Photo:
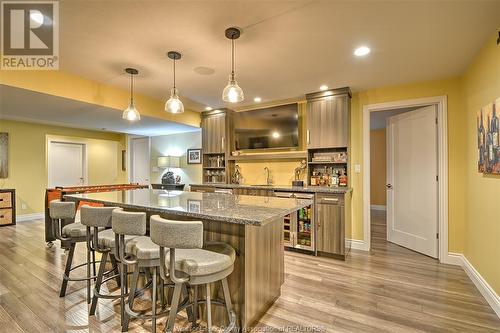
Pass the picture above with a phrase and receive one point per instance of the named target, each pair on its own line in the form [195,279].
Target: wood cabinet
[213,128]
[202,189]
[328,119]
[330,224]
[7,207]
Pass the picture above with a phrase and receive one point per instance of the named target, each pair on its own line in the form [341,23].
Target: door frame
[74,142]
[442,141]
[130,155]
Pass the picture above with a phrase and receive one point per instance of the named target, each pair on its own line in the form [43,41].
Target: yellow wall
[61,84]
[482,193]
[377,167]
[28,152]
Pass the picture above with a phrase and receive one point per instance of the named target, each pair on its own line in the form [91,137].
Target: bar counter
[252,225]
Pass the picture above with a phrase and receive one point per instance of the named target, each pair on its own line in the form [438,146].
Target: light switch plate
[357,168]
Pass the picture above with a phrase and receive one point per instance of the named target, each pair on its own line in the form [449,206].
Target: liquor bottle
[489,147]
[495,128]
[482,140]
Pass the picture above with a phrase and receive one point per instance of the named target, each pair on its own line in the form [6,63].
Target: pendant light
[232,93]
[174,104]
[131,113]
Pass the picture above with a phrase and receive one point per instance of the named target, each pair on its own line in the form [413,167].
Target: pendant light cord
[232,59]
[174,72]
[131,88]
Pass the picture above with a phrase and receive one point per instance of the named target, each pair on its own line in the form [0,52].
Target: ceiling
[287,48]
[25,105]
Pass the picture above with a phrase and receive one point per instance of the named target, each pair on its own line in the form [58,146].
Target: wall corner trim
[481,284]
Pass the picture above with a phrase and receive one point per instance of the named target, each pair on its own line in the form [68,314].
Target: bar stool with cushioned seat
[96,219]
[141,253]
[189,263]
[72,233]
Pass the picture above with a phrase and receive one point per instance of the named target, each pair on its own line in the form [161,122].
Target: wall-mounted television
[267,128]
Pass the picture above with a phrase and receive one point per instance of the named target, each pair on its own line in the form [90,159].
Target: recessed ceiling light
[208,108]
[276,135]
[257,99]
[362,51]
[323,87]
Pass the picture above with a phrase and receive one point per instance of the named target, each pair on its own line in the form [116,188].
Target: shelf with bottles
[214,176]
[327,167]
[217,161]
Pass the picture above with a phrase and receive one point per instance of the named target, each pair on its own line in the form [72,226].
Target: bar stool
[72,233]
[189,263]
[141,253]
[96,219]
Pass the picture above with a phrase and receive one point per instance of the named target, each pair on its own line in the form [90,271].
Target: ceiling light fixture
[276,135]
[131,113]
[232,93]
[362,51]
[257,99]
[208,108]
[323,87]
[174,104]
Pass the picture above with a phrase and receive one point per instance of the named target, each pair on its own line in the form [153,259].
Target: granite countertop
[284,188]
[239,209]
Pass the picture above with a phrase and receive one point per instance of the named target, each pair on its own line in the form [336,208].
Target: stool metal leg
[93,265]
[153,295]
[88,276]
[209,309]
[67,270]
[189,310]
[231,316]
[173,308]
[123,283]
[98,282]
[116,271]
[195,302]
[131,296]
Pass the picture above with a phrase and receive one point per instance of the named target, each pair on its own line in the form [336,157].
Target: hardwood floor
[390,290]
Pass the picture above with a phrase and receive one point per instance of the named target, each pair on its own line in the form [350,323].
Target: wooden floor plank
[390,289]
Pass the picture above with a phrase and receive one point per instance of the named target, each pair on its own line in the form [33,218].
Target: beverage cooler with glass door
[299,227]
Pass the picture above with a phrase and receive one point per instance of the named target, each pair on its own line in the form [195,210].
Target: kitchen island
[252,225]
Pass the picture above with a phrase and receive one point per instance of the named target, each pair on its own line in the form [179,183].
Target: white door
[66,164]
[140,161]
[412,189]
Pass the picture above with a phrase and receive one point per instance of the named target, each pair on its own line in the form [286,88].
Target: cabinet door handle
[222,142]
[331,199]
[308,137]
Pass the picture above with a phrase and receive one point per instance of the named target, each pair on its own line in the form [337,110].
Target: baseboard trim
[453,259]
[378,207]
[27,217]
[357,244]
[481,284]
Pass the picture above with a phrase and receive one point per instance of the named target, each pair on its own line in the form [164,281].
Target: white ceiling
[25,105]
[287,48]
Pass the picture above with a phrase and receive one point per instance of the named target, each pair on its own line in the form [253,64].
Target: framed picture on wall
[4,155]
[194,156]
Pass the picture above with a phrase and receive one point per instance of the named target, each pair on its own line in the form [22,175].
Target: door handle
[222,142]
[308,137]
[389,186]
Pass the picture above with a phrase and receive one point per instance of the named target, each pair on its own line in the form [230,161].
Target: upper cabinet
[215,127]
[328,118]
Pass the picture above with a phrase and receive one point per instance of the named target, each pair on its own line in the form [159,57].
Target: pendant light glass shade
[131,113]
[232,93]
[174,104]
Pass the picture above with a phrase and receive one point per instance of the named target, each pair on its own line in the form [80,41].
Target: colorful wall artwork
[488,136]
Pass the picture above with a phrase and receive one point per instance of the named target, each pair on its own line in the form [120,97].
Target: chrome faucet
[268,176]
